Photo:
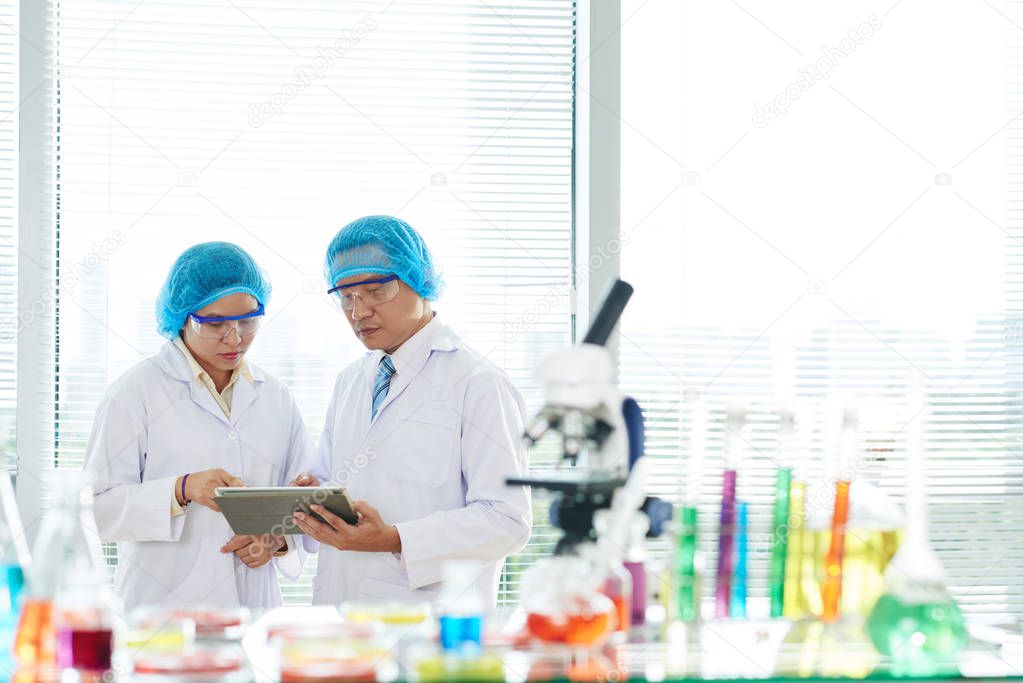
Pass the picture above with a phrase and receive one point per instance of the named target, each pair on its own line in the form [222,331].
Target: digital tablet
[269,510]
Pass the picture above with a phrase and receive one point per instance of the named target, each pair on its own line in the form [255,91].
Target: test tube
[782,500]
[780,540]
[831,590]
[793,595]
[726,531]
[685,577]
[726,524]
[685,559]
[738,603]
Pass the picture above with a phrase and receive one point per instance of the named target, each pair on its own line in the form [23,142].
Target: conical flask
[67,545]
[916,623]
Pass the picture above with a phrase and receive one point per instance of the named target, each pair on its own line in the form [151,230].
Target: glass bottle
[463,608]
[635,563]
[67,546]
[85,617]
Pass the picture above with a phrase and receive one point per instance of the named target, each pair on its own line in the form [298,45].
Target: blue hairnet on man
[422,432]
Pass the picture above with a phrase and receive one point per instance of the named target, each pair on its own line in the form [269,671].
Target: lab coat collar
[240,372]
[173,361]
[410,358]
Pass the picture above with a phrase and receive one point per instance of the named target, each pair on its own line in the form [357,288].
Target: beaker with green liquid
[916,623]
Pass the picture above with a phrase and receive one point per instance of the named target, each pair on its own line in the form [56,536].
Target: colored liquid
[616,588]
[15,582]
[457,632]
[685,565]
[866,555]
[85,649]
[726,531]
[779,540]
[8,627]
[211,622]
[813,649]
[921,639]
[198,663]
[484,667]
[622,612]
[573,629]
[793,602]
[638,573]
[738,604]
[34,641]
[831,591]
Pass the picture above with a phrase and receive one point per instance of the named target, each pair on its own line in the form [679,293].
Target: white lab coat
[158,422]
[433,462]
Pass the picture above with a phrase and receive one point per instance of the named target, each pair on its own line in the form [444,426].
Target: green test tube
[685,565]
[780,540]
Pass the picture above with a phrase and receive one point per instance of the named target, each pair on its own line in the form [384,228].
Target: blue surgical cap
[383,245]
[200,276]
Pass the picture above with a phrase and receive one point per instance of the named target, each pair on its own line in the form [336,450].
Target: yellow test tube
[794,605]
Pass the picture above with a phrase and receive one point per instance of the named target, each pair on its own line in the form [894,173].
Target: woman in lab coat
[194,417]
[422,432]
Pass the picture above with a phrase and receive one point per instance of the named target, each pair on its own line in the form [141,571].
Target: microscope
[601,432]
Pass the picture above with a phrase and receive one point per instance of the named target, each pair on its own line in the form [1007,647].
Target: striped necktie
[384,374]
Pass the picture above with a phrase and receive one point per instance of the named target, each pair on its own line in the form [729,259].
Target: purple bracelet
[183,480]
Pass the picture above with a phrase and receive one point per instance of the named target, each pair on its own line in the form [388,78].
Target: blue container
[458,634]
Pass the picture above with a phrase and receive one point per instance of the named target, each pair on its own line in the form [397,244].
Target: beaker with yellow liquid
[872,537]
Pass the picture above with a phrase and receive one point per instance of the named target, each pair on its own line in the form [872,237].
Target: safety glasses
[369,292]
[218,327]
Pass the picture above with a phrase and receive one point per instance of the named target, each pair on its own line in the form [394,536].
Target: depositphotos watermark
[72,274]
[813,73]
[314,70]
[556,294]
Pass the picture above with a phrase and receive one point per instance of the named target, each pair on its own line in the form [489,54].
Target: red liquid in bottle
[85,649]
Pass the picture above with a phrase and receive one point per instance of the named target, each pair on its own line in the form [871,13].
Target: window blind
[272,124]
[9,318]
[818,240]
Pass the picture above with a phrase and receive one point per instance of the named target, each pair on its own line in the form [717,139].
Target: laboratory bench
[322,644]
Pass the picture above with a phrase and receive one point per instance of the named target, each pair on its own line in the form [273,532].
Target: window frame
[595,201]
[36,173]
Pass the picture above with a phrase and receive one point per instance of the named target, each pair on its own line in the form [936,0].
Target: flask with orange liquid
[67,546]
[564,604]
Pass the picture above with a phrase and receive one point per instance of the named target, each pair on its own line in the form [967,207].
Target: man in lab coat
[422,432]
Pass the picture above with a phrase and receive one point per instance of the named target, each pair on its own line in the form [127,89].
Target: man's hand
[369,534]
[200,486]
[254,551]
[304,479]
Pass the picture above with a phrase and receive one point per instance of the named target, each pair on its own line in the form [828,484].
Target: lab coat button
[233,436]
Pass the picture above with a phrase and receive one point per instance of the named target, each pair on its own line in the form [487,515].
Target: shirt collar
[197,371]
[434,336]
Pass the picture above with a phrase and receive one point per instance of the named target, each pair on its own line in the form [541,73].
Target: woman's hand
[369,534]
[254,551]
[199,486]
